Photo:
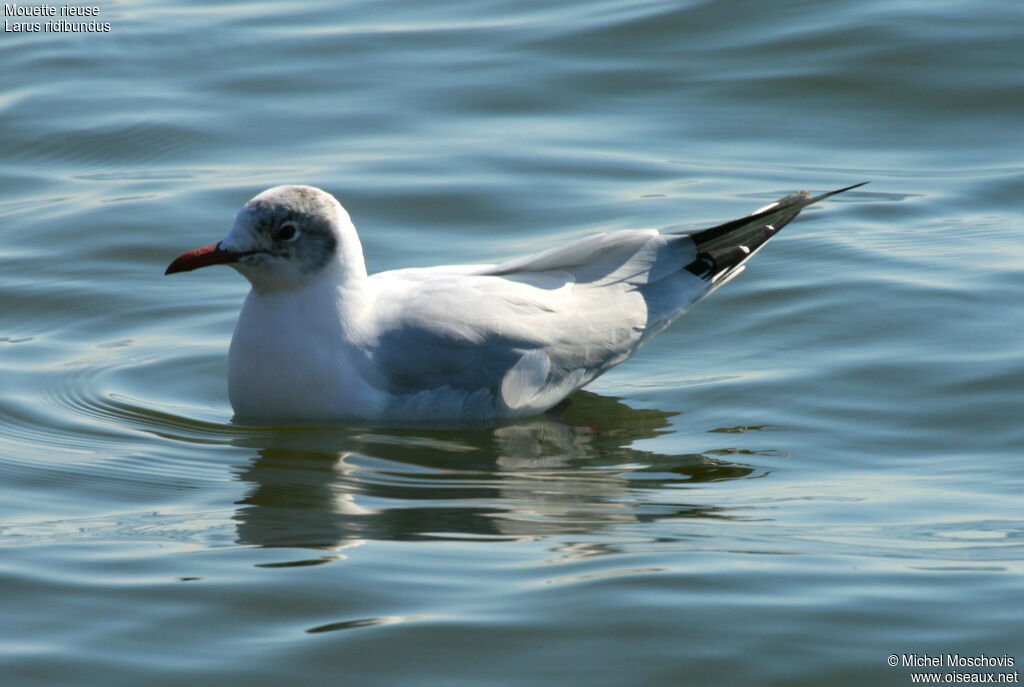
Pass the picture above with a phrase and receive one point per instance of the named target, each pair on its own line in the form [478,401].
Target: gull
[319,339]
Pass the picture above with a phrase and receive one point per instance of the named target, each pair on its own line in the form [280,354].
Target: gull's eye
[286,233]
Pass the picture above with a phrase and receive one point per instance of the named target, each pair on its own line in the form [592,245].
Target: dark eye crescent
[286,233]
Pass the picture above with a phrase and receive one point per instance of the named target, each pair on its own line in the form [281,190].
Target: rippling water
[818,467]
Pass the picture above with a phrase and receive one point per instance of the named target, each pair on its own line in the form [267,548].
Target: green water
[818,467]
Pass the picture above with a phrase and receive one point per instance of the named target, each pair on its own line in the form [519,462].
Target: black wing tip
[803,199]
[781,211]
[823,196]
[717,252]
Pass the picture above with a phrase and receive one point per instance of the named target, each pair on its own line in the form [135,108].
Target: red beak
[201,257]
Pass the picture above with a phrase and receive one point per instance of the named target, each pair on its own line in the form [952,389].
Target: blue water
[818,467]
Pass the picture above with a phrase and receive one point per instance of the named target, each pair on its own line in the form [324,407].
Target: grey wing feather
[582,305]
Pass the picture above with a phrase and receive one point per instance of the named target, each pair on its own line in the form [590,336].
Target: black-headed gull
[319,339]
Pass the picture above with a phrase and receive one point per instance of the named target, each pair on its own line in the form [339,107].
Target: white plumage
[319,339]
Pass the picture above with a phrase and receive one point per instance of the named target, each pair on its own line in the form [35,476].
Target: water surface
[816,468]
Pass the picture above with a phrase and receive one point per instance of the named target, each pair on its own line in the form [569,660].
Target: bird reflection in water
[573,471]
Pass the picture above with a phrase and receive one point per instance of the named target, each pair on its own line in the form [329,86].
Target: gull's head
[284,239]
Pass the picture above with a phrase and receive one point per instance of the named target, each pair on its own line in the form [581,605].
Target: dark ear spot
[316,250]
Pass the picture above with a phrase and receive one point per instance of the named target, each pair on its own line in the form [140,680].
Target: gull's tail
[722,250]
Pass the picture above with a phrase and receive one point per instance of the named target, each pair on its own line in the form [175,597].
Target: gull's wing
[517,337]
[509,344]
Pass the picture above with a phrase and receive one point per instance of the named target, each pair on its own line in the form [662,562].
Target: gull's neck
[349,259]
[337,298]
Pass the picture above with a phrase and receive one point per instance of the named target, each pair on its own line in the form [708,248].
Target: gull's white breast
[291,358]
